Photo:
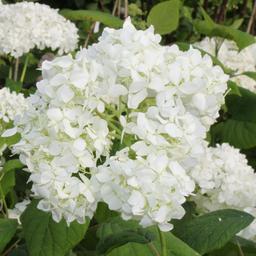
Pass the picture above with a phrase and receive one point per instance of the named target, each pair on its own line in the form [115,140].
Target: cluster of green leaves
[109,235]
[212,234]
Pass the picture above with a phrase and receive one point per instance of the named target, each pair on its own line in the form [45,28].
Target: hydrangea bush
[130,145]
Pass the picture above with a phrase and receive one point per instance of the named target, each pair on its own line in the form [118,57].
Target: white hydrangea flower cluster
[225,180]
[26,25]
[239,61]
[150,189]
[12,105]
[62,136]
[145,69]
[126,86]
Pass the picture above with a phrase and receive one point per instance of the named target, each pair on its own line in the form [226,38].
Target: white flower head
[224,179]
[26,25]
[126,85]
[239,61]
[12,104]
[149,189]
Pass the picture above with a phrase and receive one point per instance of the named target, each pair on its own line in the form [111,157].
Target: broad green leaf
[207,18]
[7,231]
[91,15]
[103,213]
[164,16]
[118,239]
[45,237]
[10,140]
[240,134]
[237,23]
[233,88]
[240,127]
[175,247]
[235,247]
[247,245]
[209,28]
[250,74]
[241,38]
[242,107]
[11,165]
[213,230]
[114,225]
[7,182]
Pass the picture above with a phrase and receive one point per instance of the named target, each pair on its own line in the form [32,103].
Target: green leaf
[233,88]
[10,140]
[7,183]
[103,213]
[11,165]
[207,18]
[240,127]
[175,247]
[237,23]
[250,74]
[241,38]
[213,230]
[45,237]
[7,231]
[242,107]
[15,86]
[118,239]
[105,18]
[209,28]
[235,247]
[164,16]
[240,134]
[114,225]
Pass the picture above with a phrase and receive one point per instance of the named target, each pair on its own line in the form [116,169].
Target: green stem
[4,202]
[24,70]
[163,243]
[16,69]
[10,72]
[111,123]
[10,62]
[239,248]
[153,249]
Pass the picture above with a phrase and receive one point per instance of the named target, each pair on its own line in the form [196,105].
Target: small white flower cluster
[151,189]
[26,25]
[63,135]
[126,86]
[225,180]
[12,105]
[239,61]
